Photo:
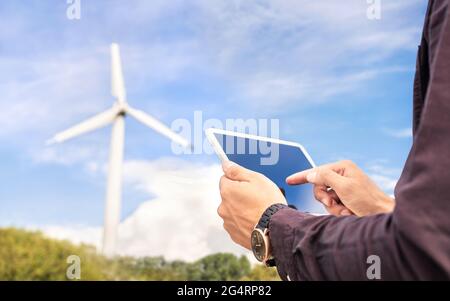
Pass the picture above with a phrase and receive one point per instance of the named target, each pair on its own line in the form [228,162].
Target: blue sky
[339,83]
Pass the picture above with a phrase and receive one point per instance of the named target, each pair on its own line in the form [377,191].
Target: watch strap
[268,213]
[271,262]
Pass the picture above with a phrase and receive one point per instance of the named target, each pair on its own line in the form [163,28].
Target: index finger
[300,177]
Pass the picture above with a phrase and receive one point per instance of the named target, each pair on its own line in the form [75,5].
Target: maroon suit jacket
[413,242]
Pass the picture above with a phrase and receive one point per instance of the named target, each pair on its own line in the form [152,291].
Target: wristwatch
[260,236]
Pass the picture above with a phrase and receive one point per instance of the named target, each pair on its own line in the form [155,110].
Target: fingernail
[311,176]
[346,212]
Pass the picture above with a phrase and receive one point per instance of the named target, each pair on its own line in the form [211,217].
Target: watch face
[258,245]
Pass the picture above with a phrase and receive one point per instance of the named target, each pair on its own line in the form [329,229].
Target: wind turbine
[116,116]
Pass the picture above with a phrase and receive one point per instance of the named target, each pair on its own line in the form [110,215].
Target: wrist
[260,240]
[387,205]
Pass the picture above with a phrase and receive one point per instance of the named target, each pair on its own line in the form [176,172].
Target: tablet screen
[275,161]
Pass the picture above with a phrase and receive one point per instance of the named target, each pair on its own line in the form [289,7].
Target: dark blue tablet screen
[275,161]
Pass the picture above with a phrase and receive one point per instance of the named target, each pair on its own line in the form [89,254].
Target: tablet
[274,158]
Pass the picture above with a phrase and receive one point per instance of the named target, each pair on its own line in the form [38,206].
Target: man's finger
[222,181]
[334,195]
[326,177]
[335,209]
[235,172]
[299,177]
[221,211]
[321,194]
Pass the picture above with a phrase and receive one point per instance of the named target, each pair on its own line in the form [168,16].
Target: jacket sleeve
[413,242]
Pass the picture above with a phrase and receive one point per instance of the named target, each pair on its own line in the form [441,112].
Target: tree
[262,273]
[30,256]
[221,266]
[26,255]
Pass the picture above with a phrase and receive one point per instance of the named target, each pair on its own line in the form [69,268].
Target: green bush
[30,256]
[26,255]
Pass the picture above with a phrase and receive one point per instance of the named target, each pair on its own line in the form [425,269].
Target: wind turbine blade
[117,82]
[157,126]
[98,121]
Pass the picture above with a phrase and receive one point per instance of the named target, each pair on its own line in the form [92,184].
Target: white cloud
[49,92]
[383,175]
[279,91]
[179,222]
[291,52]
[399,133]
[385,182]
[40,92]
[77,234]
[54,90]
[280,52]
[68,154]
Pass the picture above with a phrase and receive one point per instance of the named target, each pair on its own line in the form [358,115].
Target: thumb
[326,177]
[235,172]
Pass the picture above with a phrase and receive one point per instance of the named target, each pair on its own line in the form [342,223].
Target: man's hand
[344,189]
[245,196]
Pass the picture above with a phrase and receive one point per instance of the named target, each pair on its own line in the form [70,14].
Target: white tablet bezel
[223,157]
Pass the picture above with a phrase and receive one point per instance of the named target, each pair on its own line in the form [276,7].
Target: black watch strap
[265,218]
[271,262]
